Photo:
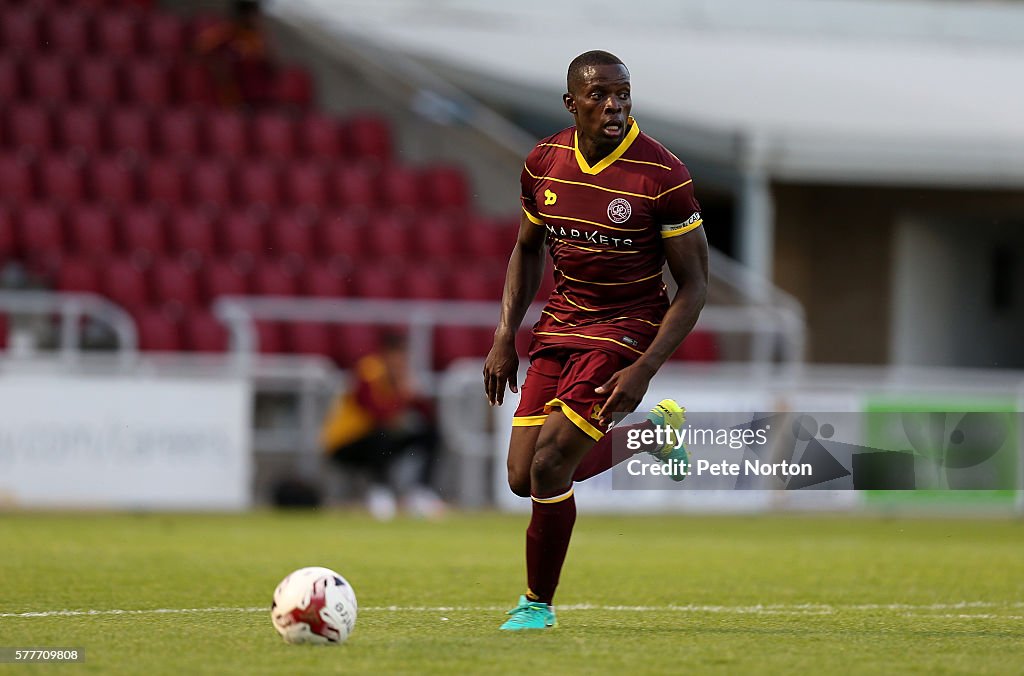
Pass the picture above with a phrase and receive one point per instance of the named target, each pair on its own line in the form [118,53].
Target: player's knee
[519,482]
[550,468]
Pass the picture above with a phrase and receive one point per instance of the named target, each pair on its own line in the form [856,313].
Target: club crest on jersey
[619,210]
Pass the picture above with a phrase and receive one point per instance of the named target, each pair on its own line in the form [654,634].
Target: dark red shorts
[566,380]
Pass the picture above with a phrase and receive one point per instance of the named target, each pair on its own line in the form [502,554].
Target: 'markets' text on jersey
[605,226]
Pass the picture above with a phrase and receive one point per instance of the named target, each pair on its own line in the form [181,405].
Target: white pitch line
[766,609]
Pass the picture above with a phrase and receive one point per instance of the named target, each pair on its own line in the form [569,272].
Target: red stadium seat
[424,282]
[343,236]
[271,337]
[356,185]
[391,236]
[114,181]
[227,134]
[292,234]
[211,183]
[10,79]
[92,230]
[47,80]
[222,278]
[355,341]
[8,234]
[445,187]
[175,284]
[369,137]
[699,346]
[164,182]
[310,338]
[259,183]
[178,132]
[69,32]
[456,342]
[274,280]
[377,281]
[477,282]
[324,280]
[16,178]
[125,284]
[80,130]
[117,34]
[158,332]
[293,86]
[243,234]
[486,240]
[142,232]
[29,126]
[439,239]
[148,83]
[320,137]
[78,274]
[61,179]
[274,135]
[204,333]
[193,232]
[130,129]
[42,232]
[97,81]
[401,187]
[19,30]
[195,84]
[163,34]
[307,184]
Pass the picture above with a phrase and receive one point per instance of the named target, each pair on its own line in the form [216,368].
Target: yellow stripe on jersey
[577,419]
[653,164]
[665,192]
[577,305]
[533,219]
[682,229]
[631,135]
[583,335]
[560,321]
[637,319]
[599,225]
[601,187]
[555,145]
[634,281]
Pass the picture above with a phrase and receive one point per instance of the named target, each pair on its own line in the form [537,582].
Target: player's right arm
[525,268]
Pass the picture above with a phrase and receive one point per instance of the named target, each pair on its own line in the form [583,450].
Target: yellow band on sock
[558,498]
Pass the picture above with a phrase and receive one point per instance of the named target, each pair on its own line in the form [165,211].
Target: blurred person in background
[238,56]
[382,426]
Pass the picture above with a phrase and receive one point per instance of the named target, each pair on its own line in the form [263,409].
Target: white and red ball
[314,605]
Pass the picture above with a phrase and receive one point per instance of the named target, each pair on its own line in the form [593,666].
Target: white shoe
[425,503]
[381,503]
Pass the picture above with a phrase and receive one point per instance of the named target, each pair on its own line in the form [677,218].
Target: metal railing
[71,309]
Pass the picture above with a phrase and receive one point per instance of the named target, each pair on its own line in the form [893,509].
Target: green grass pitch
[768,594]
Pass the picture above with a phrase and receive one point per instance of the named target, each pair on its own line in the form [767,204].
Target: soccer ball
[314,605]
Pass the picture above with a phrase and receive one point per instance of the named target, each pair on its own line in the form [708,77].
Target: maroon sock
[547,541]
[602,457]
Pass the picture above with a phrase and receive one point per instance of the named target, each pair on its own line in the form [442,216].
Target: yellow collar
[634,131]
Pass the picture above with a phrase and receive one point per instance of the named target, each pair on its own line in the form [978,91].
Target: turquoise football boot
[530,615]
[670,414]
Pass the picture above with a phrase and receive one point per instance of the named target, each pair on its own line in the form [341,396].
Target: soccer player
[613,205]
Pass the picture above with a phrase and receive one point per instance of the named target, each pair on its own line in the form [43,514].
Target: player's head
[598,95]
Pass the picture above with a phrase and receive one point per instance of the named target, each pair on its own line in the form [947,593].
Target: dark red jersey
[605,226]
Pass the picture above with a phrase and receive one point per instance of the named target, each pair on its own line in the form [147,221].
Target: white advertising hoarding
[124,442]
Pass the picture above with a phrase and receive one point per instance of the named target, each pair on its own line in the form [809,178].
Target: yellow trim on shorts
[529,420]
[576,419]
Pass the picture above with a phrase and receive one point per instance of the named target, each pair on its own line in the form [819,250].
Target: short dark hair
[595,57]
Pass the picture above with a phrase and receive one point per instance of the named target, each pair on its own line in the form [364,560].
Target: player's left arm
[687,257]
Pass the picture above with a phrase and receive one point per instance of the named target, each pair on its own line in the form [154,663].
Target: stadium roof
[905,92]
